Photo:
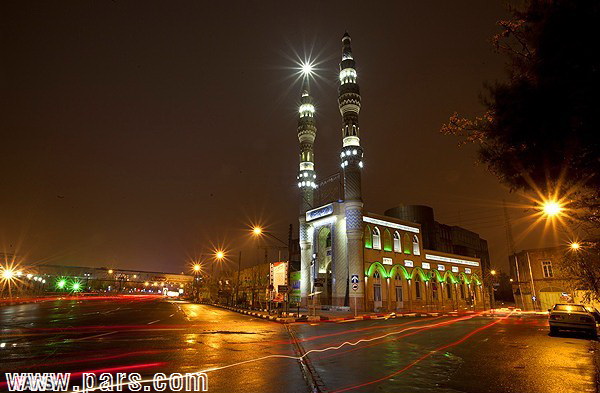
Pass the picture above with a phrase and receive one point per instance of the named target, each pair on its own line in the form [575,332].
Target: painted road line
[95,336]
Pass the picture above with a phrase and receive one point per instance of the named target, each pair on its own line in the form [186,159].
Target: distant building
[537,281]
[441,237]
[106,279]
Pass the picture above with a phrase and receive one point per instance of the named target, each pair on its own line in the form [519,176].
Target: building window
[547,269]
[397,242]
[448,291]
[398,293]
[328,240]
[387,241]
[416,249]
[376,239]
[368,237]
[434,290]
[406,243]
[377,292]
[462,290]
[417,288]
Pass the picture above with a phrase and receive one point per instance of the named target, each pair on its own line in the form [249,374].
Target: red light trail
[429,354]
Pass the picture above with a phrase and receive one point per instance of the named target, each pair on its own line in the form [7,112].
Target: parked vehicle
[574,317]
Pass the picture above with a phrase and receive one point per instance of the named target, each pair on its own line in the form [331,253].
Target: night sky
[139,134]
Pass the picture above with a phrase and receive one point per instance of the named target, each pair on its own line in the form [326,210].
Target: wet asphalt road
[443,354]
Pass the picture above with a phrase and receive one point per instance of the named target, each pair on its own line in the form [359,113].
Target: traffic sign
[354,279]
[355,287]
[282,288]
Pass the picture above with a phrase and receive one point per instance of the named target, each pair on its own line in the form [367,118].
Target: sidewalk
[333,315]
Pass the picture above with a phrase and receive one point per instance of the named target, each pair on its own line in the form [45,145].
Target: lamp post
[218,256]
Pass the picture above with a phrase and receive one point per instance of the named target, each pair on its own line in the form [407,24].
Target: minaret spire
[307,132]
[351,161]
[349,104]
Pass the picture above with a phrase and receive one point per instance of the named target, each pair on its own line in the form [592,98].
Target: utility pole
[511,249]
[237,286]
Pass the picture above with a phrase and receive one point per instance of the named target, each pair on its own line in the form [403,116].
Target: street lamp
[575,246]
[551,208]
[7,274]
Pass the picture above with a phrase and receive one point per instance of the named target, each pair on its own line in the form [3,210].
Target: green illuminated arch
[464,278]
[417,270]
[407,244]
[450,276]
[387,240]
[399,269]
[476,278]
[378,266]
[368,235]
[437,275]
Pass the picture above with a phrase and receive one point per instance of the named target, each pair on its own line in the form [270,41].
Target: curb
[306,318]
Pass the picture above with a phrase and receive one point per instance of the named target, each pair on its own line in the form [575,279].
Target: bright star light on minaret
[307,68]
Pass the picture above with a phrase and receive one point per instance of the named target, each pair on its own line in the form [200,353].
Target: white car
[574,317]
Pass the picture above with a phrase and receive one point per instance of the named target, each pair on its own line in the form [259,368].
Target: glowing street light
[7,274]
[219,255]
[197,267]
[110,271]
[575,246]
[493,272]
[257,231]
[551,208]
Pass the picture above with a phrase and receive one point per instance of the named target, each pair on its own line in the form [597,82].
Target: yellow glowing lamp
[552,208]
[8,274]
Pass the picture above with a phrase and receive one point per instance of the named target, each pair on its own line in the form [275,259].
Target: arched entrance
[377,294]
[324,264]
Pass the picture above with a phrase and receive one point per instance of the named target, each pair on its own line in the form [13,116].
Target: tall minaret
[351,162]
[307,131]
[349,103]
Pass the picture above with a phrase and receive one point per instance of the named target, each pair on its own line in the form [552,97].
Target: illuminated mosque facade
[352,258]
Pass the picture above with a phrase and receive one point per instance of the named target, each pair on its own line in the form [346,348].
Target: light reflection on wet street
[411,354]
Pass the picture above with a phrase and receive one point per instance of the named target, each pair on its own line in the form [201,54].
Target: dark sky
[138,134]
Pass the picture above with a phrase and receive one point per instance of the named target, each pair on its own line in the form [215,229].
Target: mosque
[352,258]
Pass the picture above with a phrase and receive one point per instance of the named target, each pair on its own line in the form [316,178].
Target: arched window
[368,237]
[376,239]
[397,242]
[328,240]
[417,287]
[398,277]
[406,243]
[387,240]
[376,274]
[415,243]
